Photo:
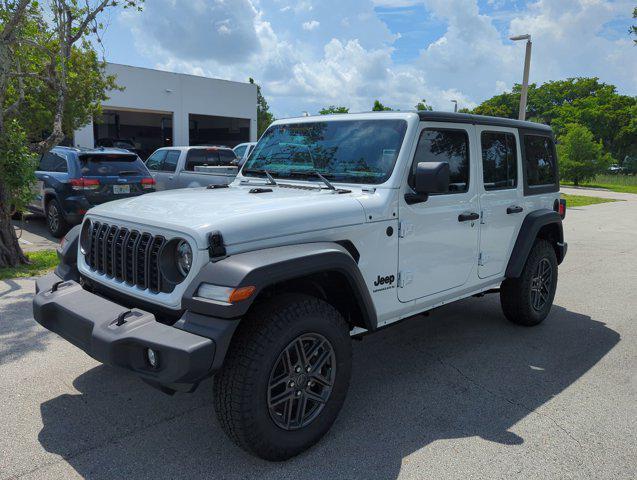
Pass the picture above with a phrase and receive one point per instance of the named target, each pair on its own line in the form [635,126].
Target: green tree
[423,106]
[633,29]
[264,116]
[586,101]
[51,82]
[333,109]
[580,156]
[379,107]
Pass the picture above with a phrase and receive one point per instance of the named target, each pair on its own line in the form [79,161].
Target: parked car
[186,167]
[243,151]
[70,181]
[378,217]
[123,143]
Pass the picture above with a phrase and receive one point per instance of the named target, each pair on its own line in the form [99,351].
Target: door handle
[514,209]
[171,177]
[468,216]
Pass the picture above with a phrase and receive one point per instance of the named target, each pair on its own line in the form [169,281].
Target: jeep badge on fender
[263,284]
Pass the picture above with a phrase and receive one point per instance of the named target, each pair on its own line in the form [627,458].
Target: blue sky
[307,54]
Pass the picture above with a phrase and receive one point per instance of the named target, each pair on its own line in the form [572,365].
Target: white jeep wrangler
[335,227]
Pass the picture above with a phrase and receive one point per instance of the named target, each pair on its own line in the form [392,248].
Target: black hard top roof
[428,116]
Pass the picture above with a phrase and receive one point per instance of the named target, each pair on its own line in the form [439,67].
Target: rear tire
[527,300]
[55,221]
[265,379]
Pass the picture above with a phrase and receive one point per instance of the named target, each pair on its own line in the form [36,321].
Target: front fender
[263,268]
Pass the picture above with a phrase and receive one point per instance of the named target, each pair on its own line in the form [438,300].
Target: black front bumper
[188,351]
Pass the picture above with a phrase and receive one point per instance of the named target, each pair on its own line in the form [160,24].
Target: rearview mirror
[429,177]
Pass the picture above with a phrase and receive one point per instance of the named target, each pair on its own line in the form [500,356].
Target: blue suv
[70,181]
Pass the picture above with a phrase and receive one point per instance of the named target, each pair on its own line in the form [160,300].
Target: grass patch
[582,201]
[616,183]
[42,262]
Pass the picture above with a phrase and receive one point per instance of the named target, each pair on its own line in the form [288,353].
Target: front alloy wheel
[285,376]
[301,381]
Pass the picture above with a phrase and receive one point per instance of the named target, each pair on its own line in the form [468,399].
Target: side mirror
[430,177]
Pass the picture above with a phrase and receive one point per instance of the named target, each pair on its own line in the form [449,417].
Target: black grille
[127,255]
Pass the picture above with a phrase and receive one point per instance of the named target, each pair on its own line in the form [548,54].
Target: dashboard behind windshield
[351,151]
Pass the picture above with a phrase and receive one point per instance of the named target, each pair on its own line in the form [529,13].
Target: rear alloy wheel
[527,300]
[55,219]
[285,376]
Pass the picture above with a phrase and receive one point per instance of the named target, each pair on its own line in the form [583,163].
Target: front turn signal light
[225,294]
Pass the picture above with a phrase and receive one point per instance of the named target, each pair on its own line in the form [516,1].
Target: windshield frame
[249,171]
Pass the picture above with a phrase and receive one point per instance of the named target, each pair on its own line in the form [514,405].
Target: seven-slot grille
[127,255]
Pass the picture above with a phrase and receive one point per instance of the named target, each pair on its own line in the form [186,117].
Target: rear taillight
[85,184]
[148,183]
[560,207]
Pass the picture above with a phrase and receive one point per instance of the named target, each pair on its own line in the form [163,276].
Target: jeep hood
[240,216]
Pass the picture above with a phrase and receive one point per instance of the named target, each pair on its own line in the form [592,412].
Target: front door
[501,198]
[438,238]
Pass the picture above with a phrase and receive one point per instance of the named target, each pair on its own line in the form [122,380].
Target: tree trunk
[576,182]
[11,254]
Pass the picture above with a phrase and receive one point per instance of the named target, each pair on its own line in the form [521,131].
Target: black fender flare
[263,268]
[531,226]
[67,255]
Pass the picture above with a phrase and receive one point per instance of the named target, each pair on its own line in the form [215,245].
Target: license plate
[121,189]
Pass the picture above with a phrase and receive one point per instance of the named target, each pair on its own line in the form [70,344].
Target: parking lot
[461,393]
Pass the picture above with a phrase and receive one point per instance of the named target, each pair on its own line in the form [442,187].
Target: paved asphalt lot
[459,394]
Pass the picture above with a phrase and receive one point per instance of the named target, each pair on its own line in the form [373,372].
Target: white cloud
[348,60]
[311,25]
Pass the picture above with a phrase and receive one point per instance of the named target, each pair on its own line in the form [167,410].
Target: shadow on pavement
[462,372]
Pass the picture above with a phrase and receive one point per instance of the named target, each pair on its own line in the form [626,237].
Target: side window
[445,145]
[539,159]
[499,160]
[170,163]
[155,161]
[52,162]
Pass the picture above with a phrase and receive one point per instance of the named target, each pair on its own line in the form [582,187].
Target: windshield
[352,151]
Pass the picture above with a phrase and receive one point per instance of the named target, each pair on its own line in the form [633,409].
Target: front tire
[527,300]
[285,378]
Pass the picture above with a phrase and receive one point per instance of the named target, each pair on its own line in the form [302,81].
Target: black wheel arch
[543,223]
[323,269]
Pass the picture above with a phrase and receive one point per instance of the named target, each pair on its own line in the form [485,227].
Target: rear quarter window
[540,164]
[202,157]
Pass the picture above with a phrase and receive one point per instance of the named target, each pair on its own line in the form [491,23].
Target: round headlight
[183,256]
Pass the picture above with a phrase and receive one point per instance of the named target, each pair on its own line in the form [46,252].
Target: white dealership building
[157,109]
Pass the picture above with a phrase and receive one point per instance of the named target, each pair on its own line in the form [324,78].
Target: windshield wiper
[316,173]
[271,180]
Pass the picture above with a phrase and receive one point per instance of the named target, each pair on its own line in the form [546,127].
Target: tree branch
[91,15]
[14,20]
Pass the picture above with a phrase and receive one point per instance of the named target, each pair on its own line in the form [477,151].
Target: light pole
[525,79]
[455,105]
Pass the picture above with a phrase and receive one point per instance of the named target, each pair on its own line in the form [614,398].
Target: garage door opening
[211,130]
[140,131]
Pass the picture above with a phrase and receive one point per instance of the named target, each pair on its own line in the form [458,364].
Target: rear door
[501,197]
[438,238]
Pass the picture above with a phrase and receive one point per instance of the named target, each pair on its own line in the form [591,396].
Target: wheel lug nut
[308,368]
[298,393]
[291,384]
[298,369]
